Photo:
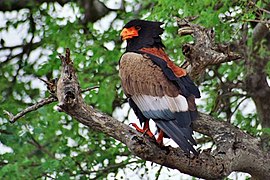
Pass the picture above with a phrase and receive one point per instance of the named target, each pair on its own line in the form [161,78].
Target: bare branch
[158,172]
[11,47]
[251,3]
[51,85]
[5,132]
[35,143]
[258,21]
[89,89]
[115,166]
[36,106]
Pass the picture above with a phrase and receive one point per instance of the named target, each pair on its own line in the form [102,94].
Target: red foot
[145,129]
[160,138]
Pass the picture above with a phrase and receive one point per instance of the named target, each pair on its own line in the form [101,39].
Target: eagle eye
[137,28]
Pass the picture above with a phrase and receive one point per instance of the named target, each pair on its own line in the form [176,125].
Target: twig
[11,47]
[35,143]
[258,21]
[237,106]
[5,132]
[80,167]
[43,80]
[261,9]
[158,172]
[112,167]
[89,89]
[51,85]
[34,107]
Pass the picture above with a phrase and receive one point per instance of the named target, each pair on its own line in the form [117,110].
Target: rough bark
[256,75]
[256,78]
[203,52]
[236,150]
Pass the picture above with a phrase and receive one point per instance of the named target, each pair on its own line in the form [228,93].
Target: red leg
[160,137]
[145,130]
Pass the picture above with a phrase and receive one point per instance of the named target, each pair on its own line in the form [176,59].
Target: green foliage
[41,140]
[268,68]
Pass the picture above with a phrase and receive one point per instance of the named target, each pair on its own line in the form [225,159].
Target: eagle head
[140,34]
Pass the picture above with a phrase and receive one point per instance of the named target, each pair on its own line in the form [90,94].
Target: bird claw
[160,138]
[143,131]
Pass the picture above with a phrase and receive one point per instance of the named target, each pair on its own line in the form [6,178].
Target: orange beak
[128,33]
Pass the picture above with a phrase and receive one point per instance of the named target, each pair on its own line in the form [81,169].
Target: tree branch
[260,31]
[36,106]
[89,89]
[35,143]
[251,3]
[203,52]
[236,150]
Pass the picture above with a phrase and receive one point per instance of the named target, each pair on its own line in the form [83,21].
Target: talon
[160,138]
[149,133]
[145,129]
[137,127]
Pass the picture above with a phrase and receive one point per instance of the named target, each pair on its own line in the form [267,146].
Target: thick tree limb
[256,77]
[236,150]
[260,31]
[204,52]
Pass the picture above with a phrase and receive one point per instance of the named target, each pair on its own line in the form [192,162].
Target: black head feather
[149,34]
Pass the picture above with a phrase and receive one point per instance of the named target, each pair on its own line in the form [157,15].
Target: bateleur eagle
[157,89]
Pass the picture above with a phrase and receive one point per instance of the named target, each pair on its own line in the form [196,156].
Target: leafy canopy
[46,143]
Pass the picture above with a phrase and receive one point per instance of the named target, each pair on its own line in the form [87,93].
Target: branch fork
[236,150]
[203,52]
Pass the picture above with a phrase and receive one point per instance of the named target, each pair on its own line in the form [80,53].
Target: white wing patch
[152,104]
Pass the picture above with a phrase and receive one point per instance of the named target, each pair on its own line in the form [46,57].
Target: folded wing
[156,96]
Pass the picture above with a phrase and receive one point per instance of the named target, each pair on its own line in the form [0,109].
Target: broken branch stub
[203,51]
[68,88]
